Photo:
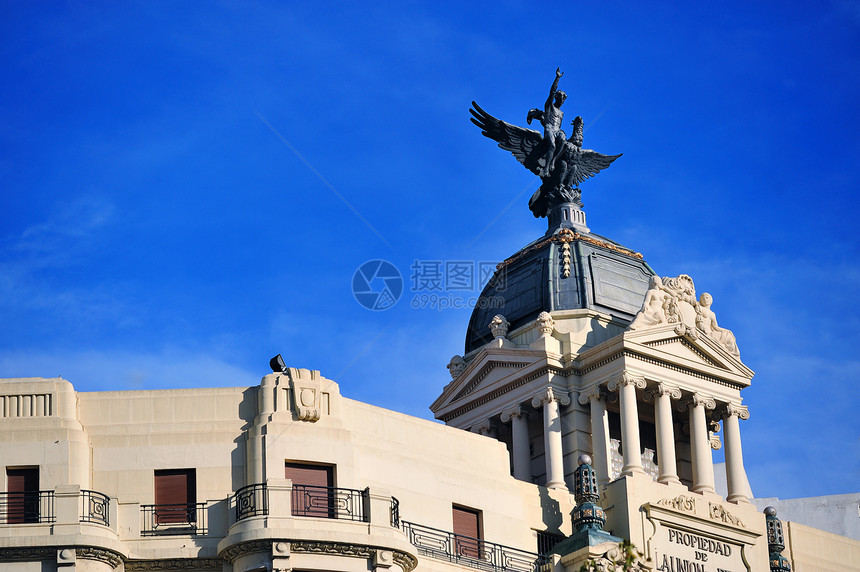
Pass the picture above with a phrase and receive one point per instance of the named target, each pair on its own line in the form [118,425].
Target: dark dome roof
[601,275]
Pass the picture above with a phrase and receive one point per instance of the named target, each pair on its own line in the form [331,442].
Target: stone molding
[550,395]
[174,564]
[406,561]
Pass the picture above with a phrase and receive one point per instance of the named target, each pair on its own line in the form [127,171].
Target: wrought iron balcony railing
[471,552]
[27,507]
[252,500]
[395,512]
[329,502]
[167,519]
[95,507]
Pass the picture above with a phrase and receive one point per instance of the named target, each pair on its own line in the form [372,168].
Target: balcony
[173,519]
[471,552]
[30,507]
[329,502]
[95,508]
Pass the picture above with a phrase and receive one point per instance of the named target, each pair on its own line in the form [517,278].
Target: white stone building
[584,352]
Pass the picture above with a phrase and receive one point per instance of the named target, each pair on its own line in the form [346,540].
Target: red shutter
[312,489]
[175,496]
[314,475]
[23,498]
[466,524]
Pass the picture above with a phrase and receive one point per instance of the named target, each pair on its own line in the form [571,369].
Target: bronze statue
[560,163]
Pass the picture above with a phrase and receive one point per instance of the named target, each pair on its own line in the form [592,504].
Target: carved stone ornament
[550,395]
[406,561]
[516,411]
[673,301]
[545,324]
[174,564]
[456,366]
[250,547]
[624,557]
[564,236]
[682,503]
[740,411]
[499,326]
[718,512]
[626,379]
[696,400]
[307,394]
[663,389]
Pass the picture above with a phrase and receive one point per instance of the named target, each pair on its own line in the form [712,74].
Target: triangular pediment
[491,371]
[695,351]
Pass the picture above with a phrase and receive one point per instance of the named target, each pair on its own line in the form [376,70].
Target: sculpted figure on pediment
[707,322]
[653,310]
[673,301]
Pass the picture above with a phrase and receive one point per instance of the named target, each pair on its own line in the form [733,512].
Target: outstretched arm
[552,90]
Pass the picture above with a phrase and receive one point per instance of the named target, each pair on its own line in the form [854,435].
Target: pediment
[696,352]
[490,371]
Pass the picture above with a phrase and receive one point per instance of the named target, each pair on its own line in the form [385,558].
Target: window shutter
[312,489]
[314,475]
[175,496]
[466,524]
[23,498]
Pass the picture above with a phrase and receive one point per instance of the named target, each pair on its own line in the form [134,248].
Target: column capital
[661,389]
[696,399]
[626,379]
[549,395]
[515,411]
[484,428]
[590,394]
[733,409]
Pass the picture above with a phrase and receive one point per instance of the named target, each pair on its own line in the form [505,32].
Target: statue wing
[587,164]
[520,141]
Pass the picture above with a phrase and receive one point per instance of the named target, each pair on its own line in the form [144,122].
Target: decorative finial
[499,326]
[456,366]
[561,163]
[775,542]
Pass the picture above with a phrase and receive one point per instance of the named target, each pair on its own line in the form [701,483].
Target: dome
[568,268]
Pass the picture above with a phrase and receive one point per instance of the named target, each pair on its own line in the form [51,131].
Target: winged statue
[561,163]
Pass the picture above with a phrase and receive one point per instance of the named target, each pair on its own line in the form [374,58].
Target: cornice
[465,408]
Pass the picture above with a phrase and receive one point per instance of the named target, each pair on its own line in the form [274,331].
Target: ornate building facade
[579,428]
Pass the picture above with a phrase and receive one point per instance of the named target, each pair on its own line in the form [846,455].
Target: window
[22,498]
[467,531]
[175,496]
[313,493]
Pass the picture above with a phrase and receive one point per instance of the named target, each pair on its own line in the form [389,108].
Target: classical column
[626,385]
[663,395]
[599,433]
[736,476]
[700,443]
[553,452]
[522,458]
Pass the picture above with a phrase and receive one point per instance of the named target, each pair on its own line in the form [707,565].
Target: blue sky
[188,189]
